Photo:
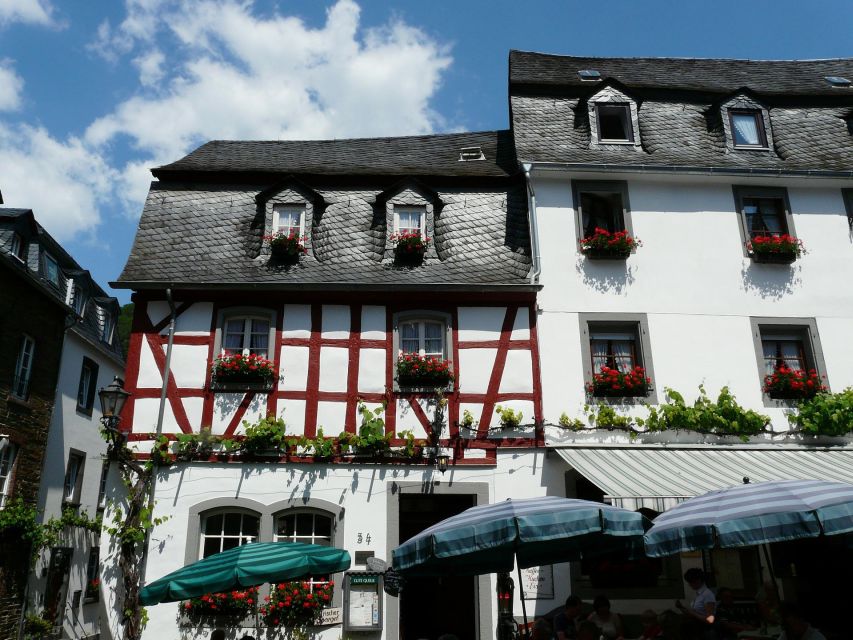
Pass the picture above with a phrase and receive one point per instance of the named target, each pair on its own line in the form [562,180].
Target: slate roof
[23,221]
[716,75]
[433,155]
[198,229]
[682,128]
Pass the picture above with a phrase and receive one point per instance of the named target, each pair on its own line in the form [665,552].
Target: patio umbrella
[246,566]
[753,514]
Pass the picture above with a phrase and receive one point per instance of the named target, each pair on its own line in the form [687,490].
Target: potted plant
[286,247]
[778,249]
[231,604]
[614,383]
[295,604]
[604,245]
[409,247]
[239,372]
[414,370]
[265,436]
[793,384]
[93,588]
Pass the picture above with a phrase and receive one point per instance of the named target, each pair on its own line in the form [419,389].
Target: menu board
[362,601]
[538,582]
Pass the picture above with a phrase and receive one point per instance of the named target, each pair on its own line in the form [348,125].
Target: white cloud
[236,75]
[65,183]
[28,11]
[11,86]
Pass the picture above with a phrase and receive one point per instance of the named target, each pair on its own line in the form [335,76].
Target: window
[78,299]
[288,219]
[51,269]
[310,527]
[614,123]
[423,337]
[7,467]
[246,335]
[763,211]
[106,326]
[102,485]
[409,219]
[619,342]
[24,368]
[601,205]
[847,194]
[87,385]
[73,477]
[93,573]
[789,342]
[747,126]
[19,247]
[227,530]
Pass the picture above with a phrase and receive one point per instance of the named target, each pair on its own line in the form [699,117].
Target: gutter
[532,221]
[606,167]
[159,430]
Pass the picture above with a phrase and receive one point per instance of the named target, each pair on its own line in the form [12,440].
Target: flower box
[242,373]
[409,248]
[617,384]
[92,592]
[772,249]
[295,604]
[423,372]
[604,245]
[286,248]
[793,384]
[234,605]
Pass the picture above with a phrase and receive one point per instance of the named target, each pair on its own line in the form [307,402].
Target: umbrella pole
[766,551]
[523,606]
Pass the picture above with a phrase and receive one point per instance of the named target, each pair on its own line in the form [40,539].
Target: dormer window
[614,123]
[107,327]
[409,219]
[51,269]
[748,128]
[19,247]
[78,299]
[289,219]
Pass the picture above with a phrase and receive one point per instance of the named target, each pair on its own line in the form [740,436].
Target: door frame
[483,584]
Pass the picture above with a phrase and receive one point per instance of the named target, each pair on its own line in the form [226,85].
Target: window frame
[8,459]
[74,498]
[639,325]
[256,313]
[811,345]
[420,209]
[18,248]
[223,512]
[847,196]
[423,315]
[627,122]
[758,116]
[93,571]
[579,187]
[17,383]
[108,325]
[78,299]
[102,486]
[92,367]
[742,192]
[277,207]
[47,260]
[314,512]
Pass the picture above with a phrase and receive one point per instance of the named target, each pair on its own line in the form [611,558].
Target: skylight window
[590,75]
[467,154]
[614,123]
[838,81]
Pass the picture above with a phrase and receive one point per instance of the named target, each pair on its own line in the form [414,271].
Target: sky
[95,94]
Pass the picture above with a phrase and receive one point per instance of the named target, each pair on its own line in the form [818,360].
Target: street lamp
[441,461]
[112,397]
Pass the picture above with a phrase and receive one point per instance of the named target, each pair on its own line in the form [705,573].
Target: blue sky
[93,94]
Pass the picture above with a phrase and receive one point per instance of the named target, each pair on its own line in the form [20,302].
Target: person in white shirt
[795,626]
[701,614]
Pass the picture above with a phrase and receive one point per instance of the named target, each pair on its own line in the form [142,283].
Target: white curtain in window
[234,330]
[746,129]
[409,221]
[769,348]
[409,337]
[289,220]
[791,355]
[433,339]
[599,354]
[622,355]
[259,340]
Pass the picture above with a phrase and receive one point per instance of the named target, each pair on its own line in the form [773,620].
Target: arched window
[425,337]
[223,530]
[246,335]
[308,526]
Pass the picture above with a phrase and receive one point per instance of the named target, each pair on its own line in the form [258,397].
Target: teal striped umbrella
[531,531]
[753,514]
[246,566]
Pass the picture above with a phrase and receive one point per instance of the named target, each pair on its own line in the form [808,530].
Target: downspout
[159,430]
[532,224]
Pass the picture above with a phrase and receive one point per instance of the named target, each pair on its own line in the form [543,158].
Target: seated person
[566,622]
[767,600]
[651,626]
[588,631]
[700,615]
[729,621]
[795,626]
[607,622]
[542,630]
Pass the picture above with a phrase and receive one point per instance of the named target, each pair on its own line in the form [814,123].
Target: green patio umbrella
[246,566]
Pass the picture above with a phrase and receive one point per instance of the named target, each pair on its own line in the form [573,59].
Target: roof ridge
[373,139]
[634,58]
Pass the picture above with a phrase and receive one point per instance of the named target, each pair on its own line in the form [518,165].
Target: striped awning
[658,478]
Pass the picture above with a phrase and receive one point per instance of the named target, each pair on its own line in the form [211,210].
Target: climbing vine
[828,414]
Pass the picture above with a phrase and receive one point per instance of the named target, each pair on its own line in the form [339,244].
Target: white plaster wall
[195,320]
[296,321]
[475,369]
[294,367]
[336,321]
[372,322]
[188,365]
[480,323]
[149,375]
[70,429]
[371,371]
[333,368]
[693,281]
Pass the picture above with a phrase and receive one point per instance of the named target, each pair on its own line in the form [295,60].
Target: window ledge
[21,402]
[260,386]
[598,254]
[421,389]
[772,259]
[750,148]
[86,411]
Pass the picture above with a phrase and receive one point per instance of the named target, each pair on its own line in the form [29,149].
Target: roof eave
[689,169]
[139,285]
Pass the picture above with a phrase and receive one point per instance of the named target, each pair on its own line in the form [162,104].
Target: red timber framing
[144,329]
